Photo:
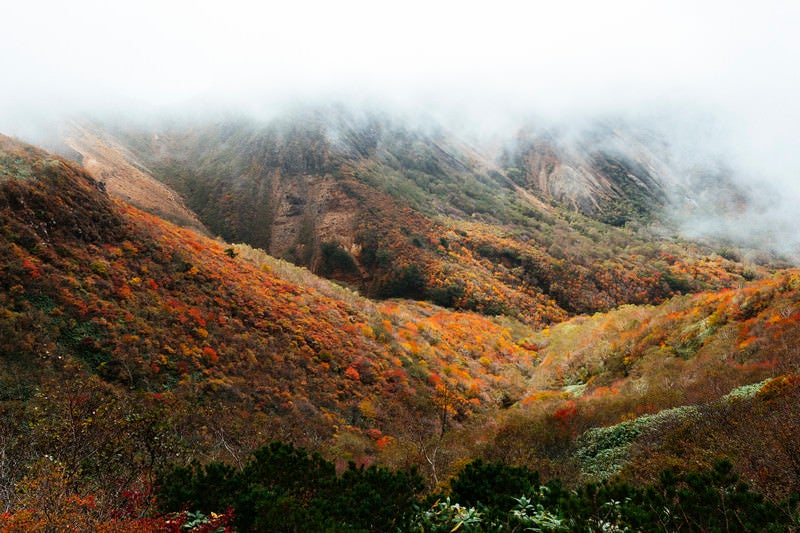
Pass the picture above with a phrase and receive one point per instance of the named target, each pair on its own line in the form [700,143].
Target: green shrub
[283,488]
[334,258]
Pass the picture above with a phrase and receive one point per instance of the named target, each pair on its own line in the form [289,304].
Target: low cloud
[717,79]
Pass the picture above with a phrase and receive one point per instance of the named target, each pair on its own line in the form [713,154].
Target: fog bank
[717,79]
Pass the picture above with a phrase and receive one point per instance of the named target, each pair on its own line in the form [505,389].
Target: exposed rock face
[311,210]
[567,181]
[606,175]
[277,188]
[125,178]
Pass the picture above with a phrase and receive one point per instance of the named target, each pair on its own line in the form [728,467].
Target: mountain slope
[395,210]
[99,298]
[129,343]
[603,173]
[125,178]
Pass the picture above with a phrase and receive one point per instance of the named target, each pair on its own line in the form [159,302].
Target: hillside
[119,311]
[146,304]
[126,178]
[397,210]
[130,344]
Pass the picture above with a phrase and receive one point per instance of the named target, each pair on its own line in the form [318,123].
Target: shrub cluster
[285,489]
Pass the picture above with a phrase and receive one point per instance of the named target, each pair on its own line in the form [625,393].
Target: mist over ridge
[709,89]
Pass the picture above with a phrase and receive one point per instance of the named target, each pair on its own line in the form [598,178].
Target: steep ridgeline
[125,178]
[395,210]
[626,173]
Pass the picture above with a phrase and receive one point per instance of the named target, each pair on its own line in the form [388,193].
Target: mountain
[398,209]
[205,348]
[130,344]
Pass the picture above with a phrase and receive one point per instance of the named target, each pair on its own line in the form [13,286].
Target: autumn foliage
[129,345]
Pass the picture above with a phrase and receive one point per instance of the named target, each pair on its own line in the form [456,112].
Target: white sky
[567,54]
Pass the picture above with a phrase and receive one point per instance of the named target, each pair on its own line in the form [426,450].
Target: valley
[381,294]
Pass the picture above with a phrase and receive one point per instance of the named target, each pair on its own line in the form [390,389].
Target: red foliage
[565,414]
[210,355]
[352,373]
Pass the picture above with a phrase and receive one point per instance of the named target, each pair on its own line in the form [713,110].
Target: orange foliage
[210,355]
[162,312]
[352,373]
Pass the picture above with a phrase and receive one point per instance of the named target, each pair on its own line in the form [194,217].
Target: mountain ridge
[125,178]
[331,190]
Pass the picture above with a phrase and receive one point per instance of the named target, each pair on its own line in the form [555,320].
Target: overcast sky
[566,55]
[737,62]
